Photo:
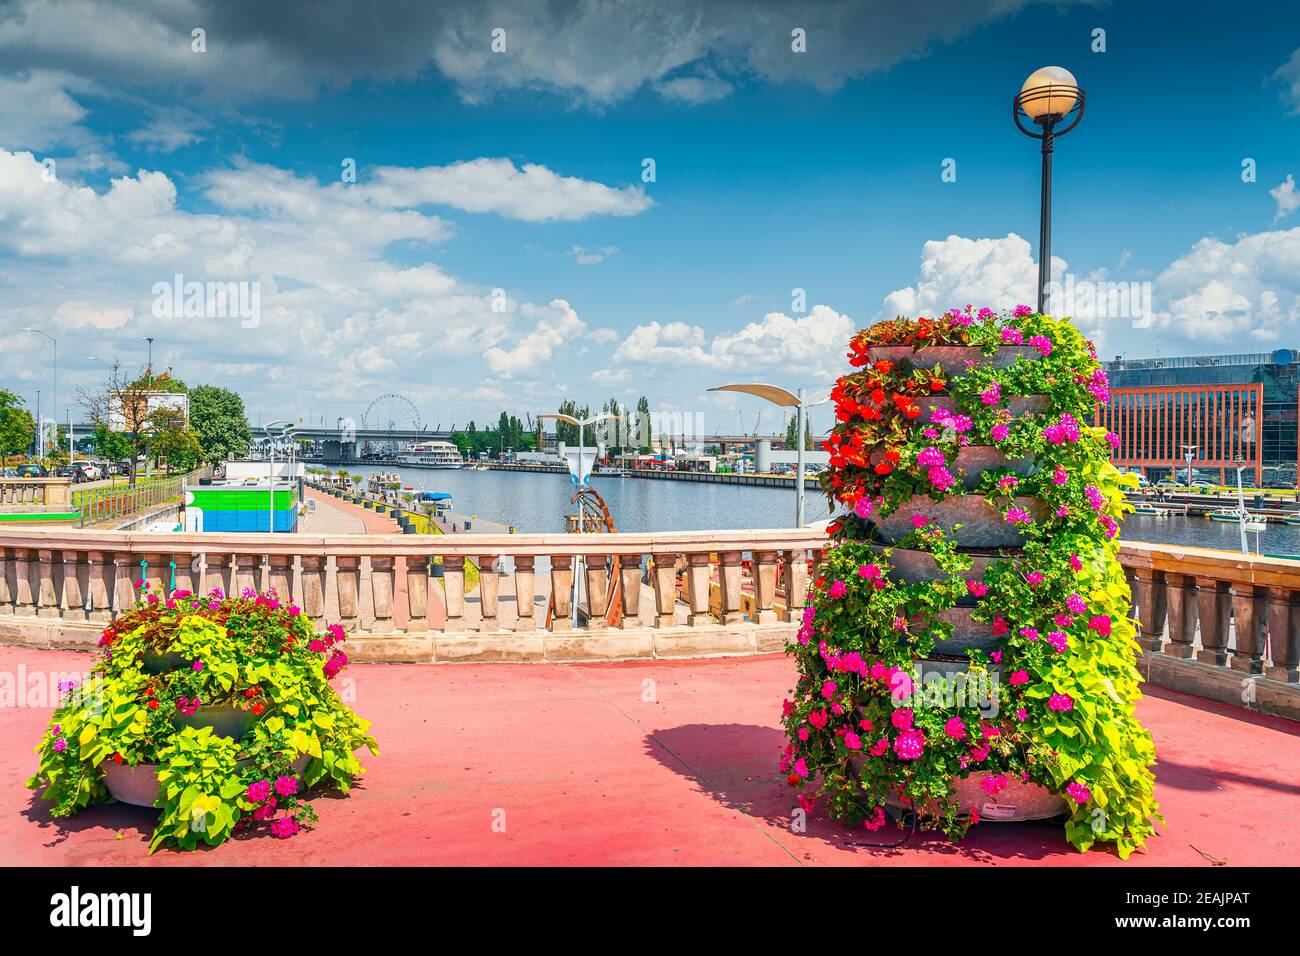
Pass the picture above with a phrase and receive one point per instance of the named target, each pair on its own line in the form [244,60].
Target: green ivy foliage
[167,665]
[874,720]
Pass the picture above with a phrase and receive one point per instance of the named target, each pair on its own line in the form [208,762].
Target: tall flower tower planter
[967,650]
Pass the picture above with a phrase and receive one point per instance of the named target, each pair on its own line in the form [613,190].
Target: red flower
[884,468]
[117,758]
[793,779]
[258,708]
[153,704]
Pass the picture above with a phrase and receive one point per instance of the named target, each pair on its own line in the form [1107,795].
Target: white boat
[1232,514]
[432,454]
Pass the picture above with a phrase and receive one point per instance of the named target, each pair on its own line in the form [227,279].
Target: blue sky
[521,171]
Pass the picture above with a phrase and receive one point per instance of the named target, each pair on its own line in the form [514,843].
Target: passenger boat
[1146,510]
[1232,514]
[387,480]
[432,454]
[1292,519]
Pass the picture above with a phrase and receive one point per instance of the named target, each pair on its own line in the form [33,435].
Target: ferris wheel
[391,412]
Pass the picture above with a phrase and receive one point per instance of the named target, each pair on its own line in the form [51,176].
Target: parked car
[1169,484]
[32,471]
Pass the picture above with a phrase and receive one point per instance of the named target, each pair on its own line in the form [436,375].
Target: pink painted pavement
[647,763]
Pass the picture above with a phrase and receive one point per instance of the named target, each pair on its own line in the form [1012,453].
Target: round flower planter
[224,719]
[155,663]
[952,359]
[138,785]
[982,525]
[973,460]
[920,567]
[1018,407]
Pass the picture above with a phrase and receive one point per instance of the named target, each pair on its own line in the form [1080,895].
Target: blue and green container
[240,508]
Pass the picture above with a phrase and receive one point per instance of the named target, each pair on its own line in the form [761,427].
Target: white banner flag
[579,478]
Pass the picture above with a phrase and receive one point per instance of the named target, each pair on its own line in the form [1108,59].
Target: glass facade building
[1188,395]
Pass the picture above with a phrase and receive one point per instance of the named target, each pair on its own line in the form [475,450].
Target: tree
[643,424]
[171,441]
[16,426]
[219,423]
[123,407]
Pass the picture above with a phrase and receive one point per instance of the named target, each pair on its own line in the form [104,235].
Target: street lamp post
[582,483]
[1047,99]
[54,397]
[780,396]
[1242,518]
[270,454]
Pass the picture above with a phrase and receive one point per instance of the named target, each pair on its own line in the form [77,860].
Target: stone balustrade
[404,597]
[1218,624]
[1212,623]
[35,491]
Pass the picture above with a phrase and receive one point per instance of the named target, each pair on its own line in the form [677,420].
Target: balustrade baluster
[1181,595]
[796,583]
[630,570]
[281,577]
[1282,637]
[597,590]
[1214,609]
[99,581]
[348,581]
[489,591]
[525,590]
[126,571]
[416,569]
[382,577]
[47,587]
[764,587]
[1152,608]
[6,581]
[732,608]
[698,587]
[453,592]
[313,587]
[1248,612]
[665,581]
[24,600]
[75,574]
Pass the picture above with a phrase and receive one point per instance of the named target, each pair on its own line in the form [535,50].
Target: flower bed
[1046,705]
[172,676]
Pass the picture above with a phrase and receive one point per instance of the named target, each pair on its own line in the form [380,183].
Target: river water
[537,502]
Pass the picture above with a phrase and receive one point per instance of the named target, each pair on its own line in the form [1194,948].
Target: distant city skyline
[613,200]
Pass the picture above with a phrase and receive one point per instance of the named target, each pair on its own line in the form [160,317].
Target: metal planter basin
[973,460]
[155,663]
[952,359]
[966,634]
[1018,803]
[982,525]
[138,785]
[1018,407]
[224,719]
[920,567]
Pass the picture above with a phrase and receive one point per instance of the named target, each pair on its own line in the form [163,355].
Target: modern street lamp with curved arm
[780,396]
[1048,98]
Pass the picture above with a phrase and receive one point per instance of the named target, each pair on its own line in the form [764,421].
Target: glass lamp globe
[1060,87]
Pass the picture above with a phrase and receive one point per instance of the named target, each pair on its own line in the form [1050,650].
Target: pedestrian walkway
[650,763]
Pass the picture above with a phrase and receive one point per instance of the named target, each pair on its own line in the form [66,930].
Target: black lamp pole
[1028,105]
